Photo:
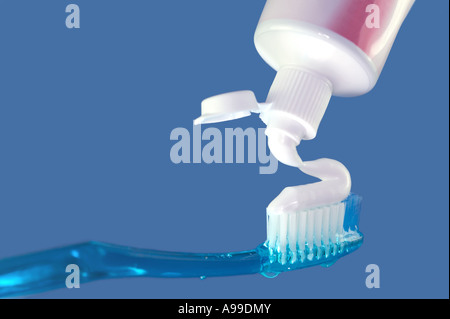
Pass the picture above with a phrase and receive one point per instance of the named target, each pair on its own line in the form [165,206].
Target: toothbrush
[43,271]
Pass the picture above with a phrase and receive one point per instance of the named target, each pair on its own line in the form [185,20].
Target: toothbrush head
[310,237]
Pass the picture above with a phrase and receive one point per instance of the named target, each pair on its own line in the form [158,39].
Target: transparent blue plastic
[46,270]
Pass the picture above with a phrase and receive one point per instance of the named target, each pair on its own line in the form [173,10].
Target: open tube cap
[227,107]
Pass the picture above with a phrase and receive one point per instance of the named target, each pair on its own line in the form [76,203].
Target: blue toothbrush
[46,270]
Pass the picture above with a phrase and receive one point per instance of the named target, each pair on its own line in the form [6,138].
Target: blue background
[85,119]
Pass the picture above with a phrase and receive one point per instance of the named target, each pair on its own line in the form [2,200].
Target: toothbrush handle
[46,270]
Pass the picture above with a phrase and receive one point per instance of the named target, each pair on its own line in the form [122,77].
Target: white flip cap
[228,106]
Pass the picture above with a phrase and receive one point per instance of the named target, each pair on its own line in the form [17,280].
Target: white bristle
[341,212]
[318,227]
[301,235]
[306,234]
[293,231]
[283,232]
[272,225]
[334,212]
[310,228]
[326,228]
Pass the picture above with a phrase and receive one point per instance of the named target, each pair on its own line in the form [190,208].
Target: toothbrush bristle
[312,234]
